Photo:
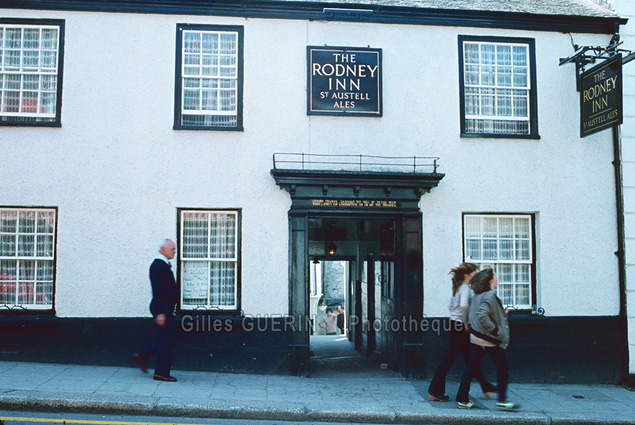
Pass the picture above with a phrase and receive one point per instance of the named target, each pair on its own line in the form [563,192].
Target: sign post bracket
[585,55]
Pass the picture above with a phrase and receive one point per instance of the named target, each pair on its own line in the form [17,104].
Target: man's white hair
[163,243]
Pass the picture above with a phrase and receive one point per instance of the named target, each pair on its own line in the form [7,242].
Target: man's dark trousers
[163,346]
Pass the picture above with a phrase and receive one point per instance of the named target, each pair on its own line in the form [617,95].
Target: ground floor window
[27,258]
[505,243]
[209,259]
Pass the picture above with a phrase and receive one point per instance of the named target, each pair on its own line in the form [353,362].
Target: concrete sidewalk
[382,396]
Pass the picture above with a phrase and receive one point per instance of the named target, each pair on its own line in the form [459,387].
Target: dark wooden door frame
[408,288]
[370,304]
[298,294]
[391,195]
[352,281]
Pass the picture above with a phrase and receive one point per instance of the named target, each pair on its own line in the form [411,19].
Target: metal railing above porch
[355,163]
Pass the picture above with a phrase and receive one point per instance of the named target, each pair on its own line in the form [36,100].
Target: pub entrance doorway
[352,266]
[378,258]
[342,208]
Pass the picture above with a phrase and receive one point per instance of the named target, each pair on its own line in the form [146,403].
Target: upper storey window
[498,95]
[209,77]
[30,72]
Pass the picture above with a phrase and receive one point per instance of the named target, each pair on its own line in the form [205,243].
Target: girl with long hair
[489,333]
[459,336]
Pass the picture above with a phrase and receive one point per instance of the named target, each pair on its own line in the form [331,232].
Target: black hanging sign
[344,81]
[601,97]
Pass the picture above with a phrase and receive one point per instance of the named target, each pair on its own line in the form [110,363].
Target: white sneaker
[466,405]
[508,405]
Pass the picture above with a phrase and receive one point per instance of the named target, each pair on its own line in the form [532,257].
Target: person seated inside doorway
[329,322]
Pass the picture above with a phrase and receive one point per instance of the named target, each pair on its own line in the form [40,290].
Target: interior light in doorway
[331,249]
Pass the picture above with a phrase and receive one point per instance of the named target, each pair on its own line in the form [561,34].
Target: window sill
[224,314]
[187,127]
[500,136]
[30,124]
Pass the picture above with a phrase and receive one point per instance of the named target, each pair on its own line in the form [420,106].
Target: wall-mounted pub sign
[344,81]
[601,97]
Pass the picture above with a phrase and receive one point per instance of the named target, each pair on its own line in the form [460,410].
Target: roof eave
[315,11]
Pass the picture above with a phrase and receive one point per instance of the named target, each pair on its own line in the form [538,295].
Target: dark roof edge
[314,11]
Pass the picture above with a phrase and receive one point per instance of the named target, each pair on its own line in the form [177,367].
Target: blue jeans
[497,355]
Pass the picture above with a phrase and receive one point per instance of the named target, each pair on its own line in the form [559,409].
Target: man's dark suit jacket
[165,294]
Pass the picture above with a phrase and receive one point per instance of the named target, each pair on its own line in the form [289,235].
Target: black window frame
[533,92]
[534,292]
[19,310]
[60,71]
[237,312]
[178,76]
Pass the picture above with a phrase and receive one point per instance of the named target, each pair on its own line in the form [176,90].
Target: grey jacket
[488,320]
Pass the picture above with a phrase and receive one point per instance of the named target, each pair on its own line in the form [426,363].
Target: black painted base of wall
[204,343]
[573,350]
[543,350]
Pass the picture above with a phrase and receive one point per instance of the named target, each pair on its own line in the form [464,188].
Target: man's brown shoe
[164,378]
[142,363]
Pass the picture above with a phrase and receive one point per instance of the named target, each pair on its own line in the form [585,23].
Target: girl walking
[459,336]
[489,333]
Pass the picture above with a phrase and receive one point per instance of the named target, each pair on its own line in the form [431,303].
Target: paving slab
[367,398]
[123,388]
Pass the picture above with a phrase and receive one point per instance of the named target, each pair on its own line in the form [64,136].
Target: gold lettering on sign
[598,93]
[353,203]
[601,97]
[346,82]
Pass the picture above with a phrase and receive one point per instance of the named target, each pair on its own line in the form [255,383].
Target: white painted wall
[118,172]
[626,9]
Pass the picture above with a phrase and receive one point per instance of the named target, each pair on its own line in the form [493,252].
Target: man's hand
[160,320]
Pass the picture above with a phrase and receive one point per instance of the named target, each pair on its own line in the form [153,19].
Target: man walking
[164,298]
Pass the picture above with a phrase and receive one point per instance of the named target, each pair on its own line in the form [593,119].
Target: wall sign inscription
[344,81]
[368,203]
[601,97]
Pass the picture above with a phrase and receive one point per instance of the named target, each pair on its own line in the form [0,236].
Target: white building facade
[121,126]
[627,135]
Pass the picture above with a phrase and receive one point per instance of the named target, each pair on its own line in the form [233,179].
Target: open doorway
[351,266]
[350,207]
[329,295]
[331,349]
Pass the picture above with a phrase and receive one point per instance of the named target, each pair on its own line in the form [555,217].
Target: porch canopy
[354,182]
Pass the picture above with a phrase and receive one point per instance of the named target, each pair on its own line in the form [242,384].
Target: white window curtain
[503,243]
[29,57]
[497,87]
[209,86]
[27,256]
[209,259]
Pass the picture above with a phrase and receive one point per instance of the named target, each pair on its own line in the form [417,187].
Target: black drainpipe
[619,198]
